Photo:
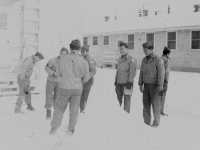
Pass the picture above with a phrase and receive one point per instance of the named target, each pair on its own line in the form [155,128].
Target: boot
[70,132]
[18,111]
[48,115]
[53,130]
[30,107]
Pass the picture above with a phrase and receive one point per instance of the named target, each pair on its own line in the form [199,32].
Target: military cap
[39,55]
[147,44]
[76,42]
[85,48]
[166,51]
[64,49]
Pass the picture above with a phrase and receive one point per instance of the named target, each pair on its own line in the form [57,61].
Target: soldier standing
[92,71]
[126,72]
[151,80]
[74,73]
[166,59]
[24,83]
[51,85]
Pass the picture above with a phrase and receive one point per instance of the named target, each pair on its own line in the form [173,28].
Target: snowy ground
[105,126]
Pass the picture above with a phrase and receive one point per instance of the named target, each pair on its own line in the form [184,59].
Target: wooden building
[181,33]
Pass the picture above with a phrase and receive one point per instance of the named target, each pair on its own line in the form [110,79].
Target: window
[171,40]
[106,40]
[131,41]
[150,38]
[3,21]
[85,41]
[195,40]
[95,40]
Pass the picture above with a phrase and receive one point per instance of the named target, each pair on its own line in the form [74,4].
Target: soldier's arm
[161,71]
[86,76]
[24,68]
[167,70]
[133,70]
[48,67]
[140,82]
[92,68]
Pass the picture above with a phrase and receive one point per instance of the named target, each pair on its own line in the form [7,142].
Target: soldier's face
[147,51]
[37,59]
[63,53]
[83,53]
[123,50]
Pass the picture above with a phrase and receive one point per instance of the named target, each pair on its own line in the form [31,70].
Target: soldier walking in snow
[124,79]
[24,83]
[166,59]
[92,70]
[151,80]
[51,85]
[74,73]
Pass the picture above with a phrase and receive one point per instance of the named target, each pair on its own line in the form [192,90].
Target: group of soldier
[71,76]
[153,80]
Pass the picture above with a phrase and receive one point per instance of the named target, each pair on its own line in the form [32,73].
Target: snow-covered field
[105,126]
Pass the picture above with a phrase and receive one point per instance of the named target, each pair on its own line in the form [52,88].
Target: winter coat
[27,68]
[126,69]
[152,71]
[167,67]
[74,71]
[51,67]
[92,65]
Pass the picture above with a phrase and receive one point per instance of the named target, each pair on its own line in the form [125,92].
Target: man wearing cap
[51,85]
[24,83]
[166,59]
[126,72]
[74,73]
[151,80]
[92,71]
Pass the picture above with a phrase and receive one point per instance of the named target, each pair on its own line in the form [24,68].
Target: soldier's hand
[55,74]
[141,88]
[128,85]
[160,88]
[165,87]
[115,82]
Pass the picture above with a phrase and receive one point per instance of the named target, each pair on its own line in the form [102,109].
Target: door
[4,37]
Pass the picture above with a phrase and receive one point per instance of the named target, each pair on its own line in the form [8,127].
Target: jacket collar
[151,59]
[124,58]
[32,59]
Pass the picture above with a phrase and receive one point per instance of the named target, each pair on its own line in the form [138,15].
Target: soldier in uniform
[126,72]
[151,80]
[74,73]
[166,59]
[24,83]
[53,73]
[92,71]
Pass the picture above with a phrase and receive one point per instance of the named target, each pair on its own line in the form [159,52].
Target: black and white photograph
[100,75]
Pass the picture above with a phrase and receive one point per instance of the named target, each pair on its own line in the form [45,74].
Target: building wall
[182,59]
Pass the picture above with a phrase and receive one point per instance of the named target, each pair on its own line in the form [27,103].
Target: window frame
[153,38]
[93,41]
[131,41]
[108,41]
[167,40]
[83,41]
[198,50]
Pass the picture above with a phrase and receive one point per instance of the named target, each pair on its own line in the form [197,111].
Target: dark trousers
[162,100]
[151,98]
[51,93]
[119,89]
[84,96]
[24,87]
[65,96]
